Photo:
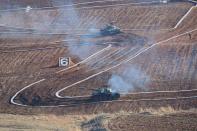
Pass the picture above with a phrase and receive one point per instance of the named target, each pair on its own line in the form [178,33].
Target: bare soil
[31,57]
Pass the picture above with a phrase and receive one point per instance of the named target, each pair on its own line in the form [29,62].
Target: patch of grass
[42,122]
[95,122]
[159,111]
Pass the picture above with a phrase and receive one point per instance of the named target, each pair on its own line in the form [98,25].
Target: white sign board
[28,8]
[63,61]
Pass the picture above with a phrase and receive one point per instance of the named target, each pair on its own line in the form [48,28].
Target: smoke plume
[82,48]
[130,79]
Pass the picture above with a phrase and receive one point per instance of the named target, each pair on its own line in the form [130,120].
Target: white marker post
[28,8]
[64,61]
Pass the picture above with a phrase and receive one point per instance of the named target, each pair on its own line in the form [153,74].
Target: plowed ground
[170,65]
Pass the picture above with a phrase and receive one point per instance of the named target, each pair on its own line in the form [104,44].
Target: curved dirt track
[89,77]
[99,68]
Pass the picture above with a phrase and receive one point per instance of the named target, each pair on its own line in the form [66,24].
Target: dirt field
[168,122]
[126,17]
[42,122]
[155,55]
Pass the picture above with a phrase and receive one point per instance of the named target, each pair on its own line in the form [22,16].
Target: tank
[36,101]
[110,29]
[104,94]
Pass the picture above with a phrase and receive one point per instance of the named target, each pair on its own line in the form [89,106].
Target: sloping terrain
[164,60]
[162,119]
[169,122]
[126,17]
[14,4]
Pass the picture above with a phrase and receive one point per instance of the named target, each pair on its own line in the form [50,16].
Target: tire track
[125,61]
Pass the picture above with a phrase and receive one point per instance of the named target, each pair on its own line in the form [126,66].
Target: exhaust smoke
[80,46]
[130,79]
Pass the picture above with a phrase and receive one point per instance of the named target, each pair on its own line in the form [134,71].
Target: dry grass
[160,111]
[42,122]
[161,119]
[102,120]
[78,122]
[152,111]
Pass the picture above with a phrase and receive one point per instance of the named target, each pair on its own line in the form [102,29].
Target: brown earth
[52,3]
[126,17]
[140,122]
[163,119]
[171,65]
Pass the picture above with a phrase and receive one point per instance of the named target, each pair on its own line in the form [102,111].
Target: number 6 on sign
[63,61]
